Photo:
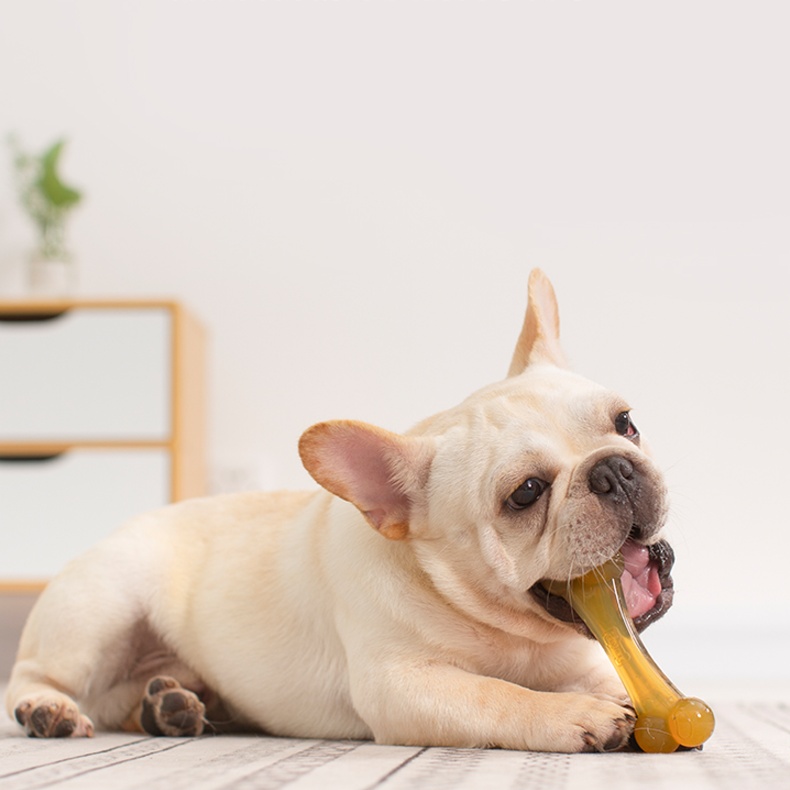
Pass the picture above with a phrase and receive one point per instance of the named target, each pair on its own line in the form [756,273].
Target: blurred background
[350,196]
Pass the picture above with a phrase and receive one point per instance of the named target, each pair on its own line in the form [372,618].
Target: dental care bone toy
[665,718]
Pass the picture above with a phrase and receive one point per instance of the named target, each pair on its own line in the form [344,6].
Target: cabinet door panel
[52,510]
[90,374]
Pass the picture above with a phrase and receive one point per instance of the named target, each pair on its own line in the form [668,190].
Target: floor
[750,748]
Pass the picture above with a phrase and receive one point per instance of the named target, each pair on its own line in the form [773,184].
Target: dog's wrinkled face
[541,476]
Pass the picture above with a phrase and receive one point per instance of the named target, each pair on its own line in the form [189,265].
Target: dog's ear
[539,340]
[378,471]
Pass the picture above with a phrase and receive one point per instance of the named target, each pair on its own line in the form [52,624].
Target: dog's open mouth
[647,586]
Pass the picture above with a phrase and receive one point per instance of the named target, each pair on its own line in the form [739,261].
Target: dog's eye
[624,425]
[527,494]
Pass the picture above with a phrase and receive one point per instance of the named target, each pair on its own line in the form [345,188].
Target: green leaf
[49,182]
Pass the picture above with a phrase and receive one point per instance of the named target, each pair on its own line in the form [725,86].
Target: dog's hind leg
[51,673]
[77,657]
[167,708]
[68,679]
[45,712]
[67,655]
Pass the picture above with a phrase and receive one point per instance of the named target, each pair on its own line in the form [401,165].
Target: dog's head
[541,476]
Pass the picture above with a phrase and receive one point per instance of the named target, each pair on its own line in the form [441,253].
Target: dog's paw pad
[621,734]
[168,709]
[160,684]
[589,743]
[611,736]
[53,719]
[22,712]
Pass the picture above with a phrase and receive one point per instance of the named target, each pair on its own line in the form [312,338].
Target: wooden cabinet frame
[186,443]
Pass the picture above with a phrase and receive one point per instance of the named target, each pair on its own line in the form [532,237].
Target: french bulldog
[405,602]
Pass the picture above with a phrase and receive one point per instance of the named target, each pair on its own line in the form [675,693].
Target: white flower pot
[52,277]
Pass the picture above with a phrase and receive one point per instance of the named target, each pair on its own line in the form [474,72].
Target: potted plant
[48,202]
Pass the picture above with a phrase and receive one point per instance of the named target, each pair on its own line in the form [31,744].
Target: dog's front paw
[55,716]
[587,723]
[169,709]
[607,724]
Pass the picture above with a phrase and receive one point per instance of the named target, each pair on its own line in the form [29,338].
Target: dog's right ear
[539,340]
[378,471]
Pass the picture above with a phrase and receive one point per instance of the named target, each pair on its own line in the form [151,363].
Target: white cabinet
[53,508]
[87,374]
[102,417]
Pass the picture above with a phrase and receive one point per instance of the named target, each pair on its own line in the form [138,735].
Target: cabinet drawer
[52,510]
[88,374]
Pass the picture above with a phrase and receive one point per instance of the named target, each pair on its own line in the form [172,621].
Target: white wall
[351,195]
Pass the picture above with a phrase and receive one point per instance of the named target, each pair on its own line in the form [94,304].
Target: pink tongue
[641,584]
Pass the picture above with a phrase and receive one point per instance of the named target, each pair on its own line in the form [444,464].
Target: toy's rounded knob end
[652,735]
[691,722]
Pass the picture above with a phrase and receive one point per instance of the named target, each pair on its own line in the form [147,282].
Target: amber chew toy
[665,718]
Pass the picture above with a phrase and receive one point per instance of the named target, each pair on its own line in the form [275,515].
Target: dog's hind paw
[53,717]
[168,709]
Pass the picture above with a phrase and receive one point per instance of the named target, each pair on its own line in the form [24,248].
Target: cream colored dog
[403,603]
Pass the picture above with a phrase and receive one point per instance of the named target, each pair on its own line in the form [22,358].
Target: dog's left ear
[378,471]
[539,340]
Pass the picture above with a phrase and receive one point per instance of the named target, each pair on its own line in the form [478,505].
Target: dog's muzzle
[617,481]
[647,585]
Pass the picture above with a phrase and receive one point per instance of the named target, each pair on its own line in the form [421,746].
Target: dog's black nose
[612,477]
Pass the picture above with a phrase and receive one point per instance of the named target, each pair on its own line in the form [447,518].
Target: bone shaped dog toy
[665,718]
